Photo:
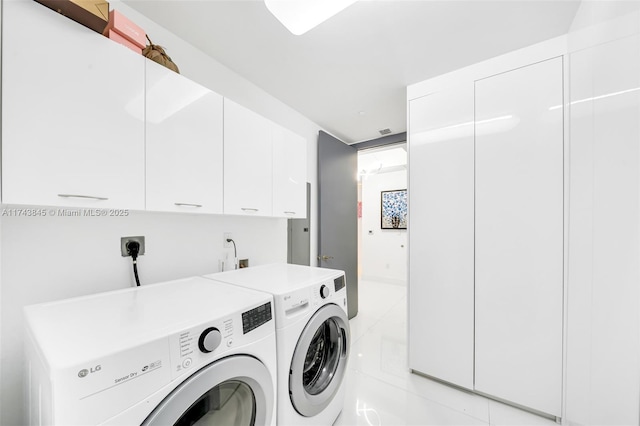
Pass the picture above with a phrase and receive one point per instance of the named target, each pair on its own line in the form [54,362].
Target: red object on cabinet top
[127,29]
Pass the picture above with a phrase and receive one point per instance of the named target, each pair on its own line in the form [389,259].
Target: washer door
[232,391]
[319,361]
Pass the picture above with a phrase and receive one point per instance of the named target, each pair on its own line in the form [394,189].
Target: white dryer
[312,334]
[185,352]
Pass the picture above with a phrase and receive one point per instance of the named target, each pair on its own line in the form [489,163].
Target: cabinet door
[73,113]
[519,236]
[183,143]
[289,173]
[603,263]
[248,165]
[441,237]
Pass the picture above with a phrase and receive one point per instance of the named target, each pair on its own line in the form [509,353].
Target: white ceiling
[349,74]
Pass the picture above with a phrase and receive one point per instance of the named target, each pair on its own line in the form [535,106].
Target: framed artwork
[393,209]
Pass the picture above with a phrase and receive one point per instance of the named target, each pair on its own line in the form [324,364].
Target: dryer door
[319,361]
[237,390]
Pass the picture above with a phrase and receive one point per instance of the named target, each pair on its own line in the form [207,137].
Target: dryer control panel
[255,317]
[195,347]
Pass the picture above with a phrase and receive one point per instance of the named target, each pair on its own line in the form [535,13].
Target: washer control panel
[324,291]
[298,302]
[333,290]
[339,283]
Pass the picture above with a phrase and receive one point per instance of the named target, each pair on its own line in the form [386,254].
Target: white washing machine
[312,334]
[184,352]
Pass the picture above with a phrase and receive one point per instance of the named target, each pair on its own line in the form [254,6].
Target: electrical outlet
[125,240]
[225,237]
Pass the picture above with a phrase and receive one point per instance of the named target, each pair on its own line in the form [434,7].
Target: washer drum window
[319,360]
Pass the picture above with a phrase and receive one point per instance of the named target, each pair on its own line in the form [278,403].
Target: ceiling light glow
[299,16]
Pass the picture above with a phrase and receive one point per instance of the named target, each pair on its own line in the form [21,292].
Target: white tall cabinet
[604,240]
[73,113]
[486,199]
[441,235]
[519,236]
[184,143]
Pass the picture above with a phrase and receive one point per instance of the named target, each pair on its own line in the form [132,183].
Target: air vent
[385,131]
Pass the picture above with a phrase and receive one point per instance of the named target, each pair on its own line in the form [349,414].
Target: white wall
[58,257]
[383,252]
[603,323]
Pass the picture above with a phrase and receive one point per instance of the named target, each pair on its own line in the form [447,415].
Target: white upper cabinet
[183,143]
[289,173]
[519,236]
[441,147]
[73,113]
[248,169]
[79,113]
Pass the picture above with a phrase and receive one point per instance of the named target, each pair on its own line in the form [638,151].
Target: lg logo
[84,372]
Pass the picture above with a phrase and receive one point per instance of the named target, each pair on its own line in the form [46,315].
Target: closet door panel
[519,236]
[441,235]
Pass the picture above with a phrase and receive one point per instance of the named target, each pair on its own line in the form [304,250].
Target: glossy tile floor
[380,390]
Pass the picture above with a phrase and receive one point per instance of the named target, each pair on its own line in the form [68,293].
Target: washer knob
[324,291]
[209,340]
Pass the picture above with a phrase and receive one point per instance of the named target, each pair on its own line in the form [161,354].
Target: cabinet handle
[289,212]
[247,209]
[82,196]
[188,205]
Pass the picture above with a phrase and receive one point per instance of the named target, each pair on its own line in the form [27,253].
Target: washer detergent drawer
[319,360]
[102,388]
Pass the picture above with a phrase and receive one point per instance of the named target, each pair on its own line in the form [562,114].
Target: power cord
[235,253]
[133,248]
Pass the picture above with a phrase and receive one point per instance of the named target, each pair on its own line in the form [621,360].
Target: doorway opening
[382,244]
